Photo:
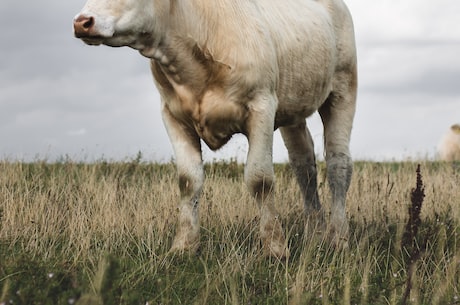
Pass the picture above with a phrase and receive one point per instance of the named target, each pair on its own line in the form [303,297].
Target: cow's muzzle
[83,26]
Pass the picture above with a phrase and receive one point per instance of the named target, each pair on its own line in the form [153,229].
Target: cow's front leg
[259,175]
[187,149]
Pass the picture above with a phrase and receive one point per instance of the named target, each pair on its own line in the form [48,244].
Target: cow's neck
[215,27]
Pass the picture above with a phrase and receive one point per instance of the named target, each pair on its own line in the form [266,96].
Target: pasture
[74,233]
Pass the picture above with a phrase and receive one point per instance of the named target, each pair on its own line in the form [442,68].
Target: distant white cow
[449,147]
[244,66]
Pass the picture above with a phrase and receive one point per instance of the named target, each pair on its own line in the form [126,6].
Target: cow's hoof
[185,242]
[180,247]
[273,240]
[315,221]
[276,249]
[338,234]
[187,251]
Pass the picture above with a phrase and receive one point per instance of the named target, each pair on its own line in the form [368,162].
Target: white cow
[449,147]
[244,66]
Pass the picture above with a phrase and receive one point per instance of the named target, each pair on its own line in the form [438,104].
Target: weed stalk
[409,238]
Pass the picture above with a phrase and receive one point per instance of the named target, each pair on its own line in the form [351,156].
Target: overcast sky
[61,97]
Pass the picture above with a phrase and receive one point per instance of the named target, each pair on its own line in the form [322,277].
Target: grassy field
[74,233]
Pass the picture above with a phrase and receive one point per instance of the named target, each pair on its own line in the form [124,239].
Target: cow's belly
[296,104]
[286,116]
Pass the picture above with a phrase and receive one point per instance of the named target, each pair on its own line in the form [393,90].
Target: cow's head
[133,23]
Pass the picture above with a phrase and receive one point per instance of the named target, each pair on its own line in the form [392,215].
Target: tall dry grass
[73,215]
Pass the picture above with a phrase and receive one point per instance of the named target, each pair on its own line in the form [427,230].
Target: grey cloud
[430,68]
[434,82]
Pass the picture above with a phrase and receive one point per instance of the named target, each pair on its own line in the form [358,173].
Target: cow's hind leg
[300,148]
[337,114]
[187,150]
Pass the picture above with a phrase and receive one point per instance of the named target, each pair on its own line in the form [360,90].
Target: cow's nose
[82,26]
